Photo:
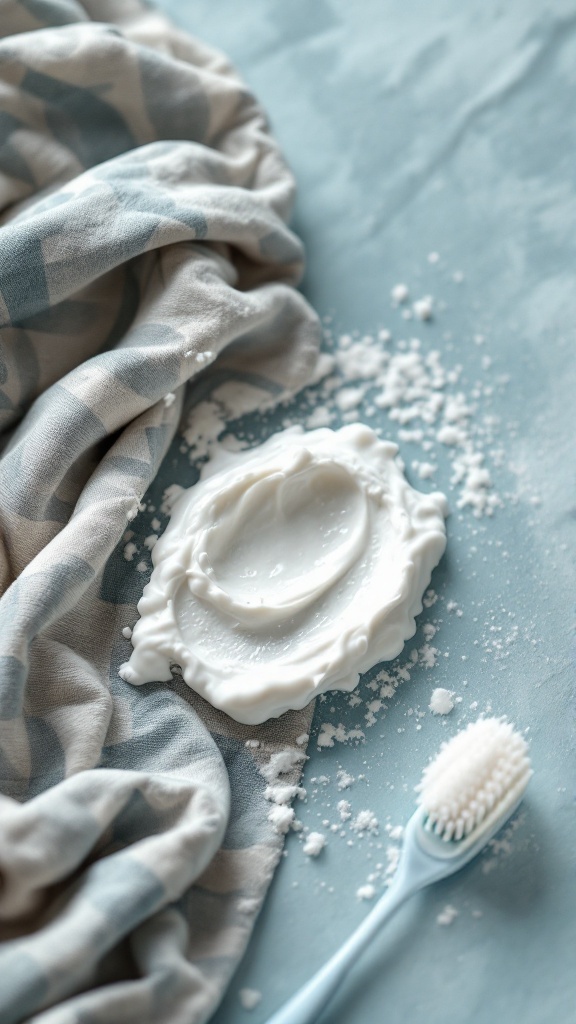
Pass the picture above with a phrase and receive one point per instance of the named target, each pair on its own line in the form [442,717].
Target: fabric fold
[144,247]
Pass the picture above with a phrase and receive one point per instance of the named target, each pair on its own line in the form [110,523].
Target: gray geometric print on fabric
[135,846]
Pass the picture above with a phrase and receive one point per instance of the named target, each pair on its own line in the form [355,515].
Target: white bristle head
[484,765]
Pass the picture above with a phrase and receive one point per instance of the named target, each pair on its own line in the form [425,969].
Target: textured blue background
[415,127]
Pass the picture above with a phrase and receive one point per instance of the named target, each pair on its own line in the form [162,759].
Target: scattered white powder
[314,844]
[322,780]
[231,443]
[396,832]
[433,257]
[476,482]
[366,892]
[399,293]
[345,780]
[206,421]
[129,551]
[423,308]
[412,385]
[279,793]
[413,436]
[235,398]
[302,740]
[169,399]
[441,701]
[349,398]
[330,733]
[155,524]
[282,762]
[362,361]
[365,821]
[425,470]
[344,810]
[283,793]
[319,417]
[281,818]
[150,541]
[450,434]
[127,632]
[170,496]
[141,567]
[249,998]
[428,656]
[447,915]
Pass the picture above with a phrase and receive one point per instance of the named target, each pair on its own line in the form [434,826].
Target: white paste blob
[286,571]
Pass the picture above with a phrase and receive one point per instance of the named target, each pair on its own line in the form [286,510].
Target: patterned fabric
[143,244]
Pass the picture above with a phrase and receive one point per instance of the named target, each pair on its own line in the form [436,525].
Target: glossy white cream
[288,570]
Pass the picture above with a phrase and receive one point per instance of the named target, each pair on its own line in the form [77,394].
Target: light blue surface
[425,858]
[449,127]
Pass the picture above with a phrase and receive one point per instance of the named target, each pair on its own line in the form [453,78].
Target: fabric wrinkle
[144,224]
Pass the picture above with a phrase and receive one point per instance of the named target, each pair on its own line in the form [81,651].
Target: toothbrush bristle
[484,765]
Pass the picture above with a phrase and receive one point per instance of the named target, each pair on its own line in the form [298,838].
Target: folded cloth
[143,243]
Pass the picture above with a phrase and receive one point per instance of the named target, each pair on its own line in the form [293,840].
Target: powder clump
[249,998]
[314,844]
[441,701]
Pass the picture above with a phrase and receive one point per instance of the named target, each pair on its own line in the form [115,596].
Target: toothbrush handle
[311,999]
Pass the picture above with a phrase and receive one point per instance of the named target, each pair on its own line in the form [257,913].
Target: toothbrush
[466,795]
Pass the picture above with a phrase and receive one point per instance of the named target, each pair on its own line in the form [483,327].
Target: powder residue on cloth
[281,818]
[280,792]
